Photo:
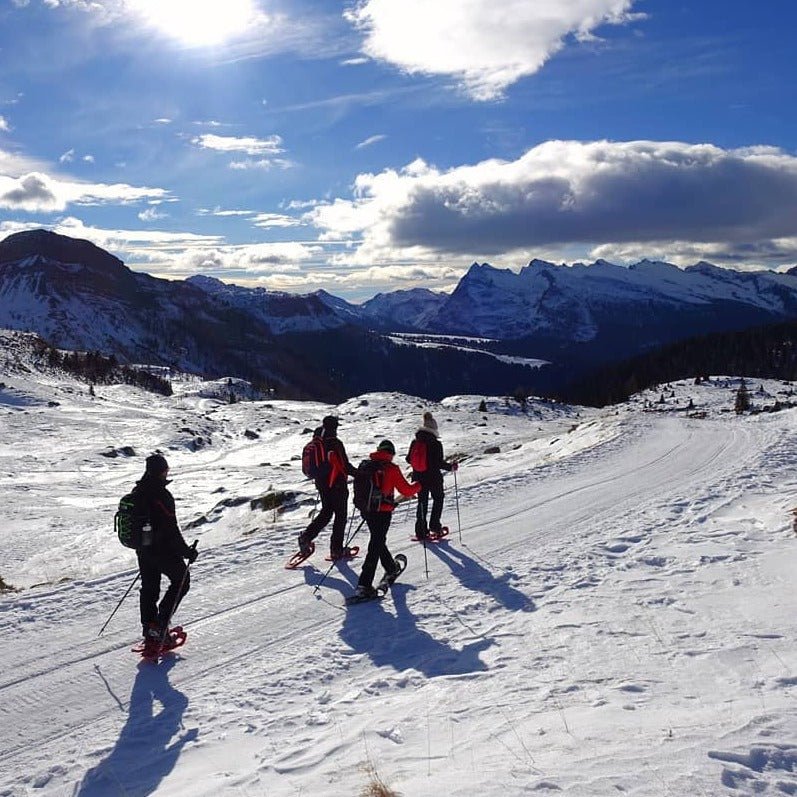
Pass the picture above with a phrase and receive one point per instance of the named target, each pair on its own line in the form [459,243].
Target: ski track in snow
[617,617]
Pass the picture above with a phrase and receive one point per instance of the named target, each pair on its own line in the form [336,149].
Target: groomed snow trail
[557,616]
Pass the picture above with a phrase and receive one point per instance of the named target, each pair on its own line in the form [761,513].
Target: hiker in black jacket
[332,486]
[162,551]
[427,470]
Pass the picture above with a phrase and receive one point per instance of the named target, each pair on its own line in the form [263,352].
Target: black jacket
[435,459]
[335,476]
[159,504]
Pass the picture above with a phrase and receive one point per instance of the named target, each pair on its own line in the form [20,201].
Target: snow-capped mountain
[415,309]
[77,296]
[404,310]
[583,302]
[280,312]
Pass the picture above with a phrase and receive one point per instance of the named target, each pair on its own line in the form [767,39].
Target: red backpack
[417,456]
[314,459]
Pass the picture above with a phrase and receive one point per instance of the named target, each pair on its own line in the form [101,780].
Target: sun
[198,23]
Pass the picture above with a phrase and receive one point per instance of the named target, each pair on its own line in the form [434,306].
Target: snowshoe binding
[345,554]
[389,578]
[432,536]
[363,594]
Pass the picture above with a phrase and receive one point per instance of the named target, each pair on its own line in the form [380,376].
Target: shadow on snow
[479,579]
[395,640]
[149,745]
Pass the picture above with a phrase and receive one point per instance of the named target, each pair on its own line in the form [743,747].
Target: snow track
[596,587]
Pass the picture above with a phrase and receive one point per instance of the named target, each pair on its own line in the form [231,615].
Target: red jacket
[393,479]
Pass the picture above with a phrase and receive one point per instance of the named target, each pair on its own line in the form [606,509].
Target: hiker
[331,482]
[427,460]
[389,478]
[161,553]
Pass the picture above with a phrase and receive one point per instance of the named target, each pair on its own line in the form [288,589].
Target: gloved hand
[191,554]
[455,466]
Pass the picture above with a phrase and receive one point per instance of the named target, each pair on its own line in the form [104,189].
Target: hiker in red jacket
[388,478]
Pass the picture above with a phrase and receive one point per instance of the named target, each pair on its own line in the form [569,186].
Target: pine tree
[742,403]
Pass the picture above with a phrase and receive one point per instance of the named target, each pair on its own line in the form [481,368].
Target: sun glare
[198,22]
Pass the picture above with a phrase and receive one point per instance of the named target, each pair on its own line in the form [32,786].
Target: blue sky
[383,144]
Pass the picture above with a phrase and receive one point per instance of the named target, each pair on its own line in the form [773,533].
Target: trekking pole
[138,575]
[425,560]
[456,498]
[346,545]
[177,597]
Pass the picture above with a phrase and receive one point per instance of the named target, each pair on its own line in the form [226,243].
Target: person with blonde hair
[427,460]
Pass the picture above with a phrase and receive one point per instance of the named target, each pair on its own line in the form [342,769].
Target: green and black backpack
[131,520]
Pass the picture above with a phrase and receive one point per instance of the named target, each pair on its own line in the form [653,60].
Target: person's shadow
[479,579]
[150,741]
[395,640]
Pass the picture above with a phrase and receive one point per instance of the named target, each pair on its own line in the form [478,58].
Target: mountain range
[78,296]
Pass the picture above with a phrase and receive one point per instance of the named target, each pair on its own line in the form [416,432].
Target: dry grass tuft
[376,787]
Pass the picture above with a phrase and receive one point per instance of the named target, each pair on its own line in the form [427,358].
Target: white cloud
[15,165]
[275,220]
[217,211]
[769,253]
[252,258]
[301,204]
[152,214]
[88,159]
[38,192]
[261,163]
[130,245]
[67,157]
[246,144]
[370,140]
[4,126]
[562,193]
[485,44]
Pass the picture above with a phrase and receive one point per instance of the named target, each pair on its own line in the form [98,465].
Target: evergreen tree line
[765,352]
[97,369]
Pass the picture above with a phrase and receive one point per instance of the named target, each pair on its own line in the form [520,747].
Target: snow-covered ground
[617,615]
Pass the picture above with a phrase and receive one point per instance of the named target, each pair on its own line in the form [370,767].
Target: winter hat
[429,424]
[157,465]
[387,445]
[330,422]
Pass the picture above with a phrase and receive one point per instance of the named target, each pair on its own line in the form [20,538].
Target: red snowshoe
[152,648]
[299,557]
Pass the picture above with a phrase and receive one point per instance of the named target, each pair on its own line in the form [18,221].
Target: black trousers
[378,523]
[333,502]
[434,487]
[152,564]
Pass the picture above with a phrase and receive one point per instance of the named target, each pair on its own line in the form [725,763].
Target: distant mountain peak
[58,248]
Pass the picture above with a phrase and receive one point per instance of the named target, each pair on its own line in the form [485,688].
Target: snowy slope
[617,615]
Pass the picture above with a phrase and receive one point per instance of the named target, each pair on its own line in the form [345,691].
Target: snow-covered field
[617,615]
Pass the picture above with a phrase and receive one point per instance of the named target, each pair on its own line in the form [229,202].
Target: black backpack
[368,495]
[131,521]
